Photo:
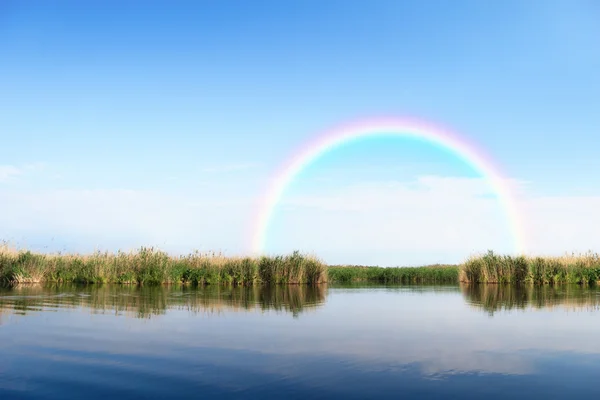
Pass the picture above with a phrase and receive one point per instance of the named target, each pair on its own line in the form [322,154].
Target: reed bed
[427,274]
[493,268]
[152,266]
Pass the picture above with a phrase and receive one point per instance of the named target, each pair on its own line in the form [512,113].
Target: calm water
[298,342]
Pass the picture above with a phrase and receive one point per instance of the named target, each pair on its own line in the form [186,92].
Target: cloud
[8,172]
[426,220]
[124,219]
[559,224]
[395,194]
[11,172]
[435,217]
[228,168]
[431,219]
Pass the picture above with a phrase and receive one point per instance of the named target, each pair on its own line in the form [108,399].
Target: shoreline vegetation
[493,268]
[428,274]
[152,266]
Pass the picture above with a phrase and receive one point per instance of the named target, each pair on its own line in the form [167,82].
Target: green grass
[493,268]
[428,274]
[151,266]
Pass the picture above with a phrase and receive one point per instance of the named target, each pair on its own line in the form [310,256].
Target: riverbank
[152,266]
[494,268]
[426,274]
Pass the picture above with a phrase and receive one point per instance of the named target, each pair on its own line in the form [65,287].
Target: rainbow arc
[472,155]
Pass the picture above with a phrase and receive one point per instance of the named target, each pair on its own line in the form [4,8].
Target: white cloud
[560,224]
[432,219]
[400,222]
[127,218]
[11,172]
[8,172]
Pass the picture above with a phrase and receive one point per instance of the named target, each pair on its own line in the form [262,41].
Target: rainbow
[404,127]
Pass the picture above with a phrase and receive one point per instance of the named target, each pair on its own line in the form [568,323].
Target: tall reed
[428,274]
[152,266]
[493,268]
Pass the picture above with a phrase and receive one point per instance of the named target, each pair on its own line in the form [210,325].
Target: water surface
[61,342]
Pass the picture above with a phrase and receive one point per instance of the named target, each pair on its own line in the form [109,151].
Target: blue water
[92,342]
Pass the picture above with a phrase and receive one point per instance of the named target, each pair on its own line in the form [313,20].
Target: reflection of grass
[494,298]
[492,268]
[146,301]
[2,312]
[429,274]
[150,266]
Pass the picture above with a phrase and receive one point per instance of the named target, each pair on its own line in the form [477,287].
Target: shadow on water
[148,301]
[493,298]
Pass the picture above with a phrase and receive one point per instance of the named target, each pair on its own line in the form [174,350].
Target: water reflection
[360,342]
[145,302]
[494,298]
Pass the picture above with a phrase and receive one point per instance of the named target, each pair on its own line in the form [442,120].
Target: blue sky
[125,124]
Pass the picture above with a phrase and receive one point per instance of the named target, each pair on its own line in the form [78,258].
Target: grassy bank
[493,268]
[428,274]
[150,266]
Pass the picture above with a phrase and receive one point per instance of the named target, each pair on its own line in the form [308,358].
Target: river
[352,342]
